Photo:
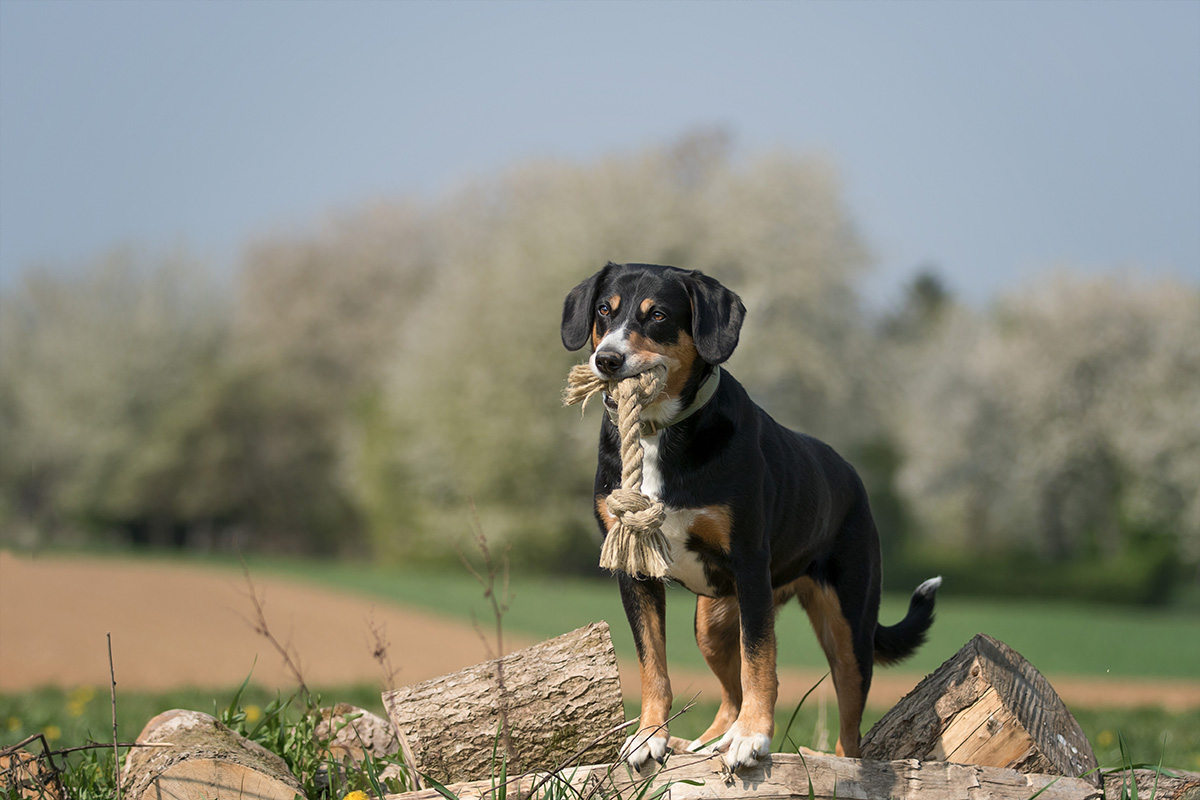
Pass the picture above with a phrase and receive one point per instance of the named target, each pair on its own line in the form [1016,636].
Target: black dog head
[640,315]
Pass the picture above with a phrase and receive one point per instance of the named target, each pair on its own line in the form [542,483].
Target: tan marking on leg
[656,684]
[712,525]
[834,634]
[760,686]
[718,634]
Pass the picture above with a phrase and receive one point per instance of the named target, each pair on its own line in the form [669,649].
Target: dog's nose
[609,361]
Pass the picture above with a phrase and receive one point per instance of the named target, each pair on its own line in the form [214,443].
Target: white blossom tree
[1067,417]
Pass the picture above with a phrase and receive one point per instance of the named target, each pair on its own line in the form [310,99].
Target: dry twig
[112,674]
[492,568]
[291,659]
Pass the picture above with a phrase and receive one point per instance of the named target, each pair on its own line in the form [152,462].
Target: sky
[989,140]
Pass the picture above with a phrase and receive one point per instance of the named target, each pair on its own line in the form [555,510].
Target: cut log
[24,775]
[348,733]
[1179,785]
[987,705]
[205,760]
[786,777]
[353,732]
[556,701]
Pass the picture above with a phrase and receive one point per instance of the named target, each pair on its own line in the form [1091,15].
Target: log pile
[985,725]
[784,776]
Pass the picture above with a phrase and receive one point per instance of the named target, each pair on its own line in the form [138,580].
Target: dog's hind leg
[718,633]
[837,637]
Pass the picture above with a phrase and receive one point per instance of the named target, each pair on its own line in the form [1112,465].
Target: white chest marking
[686,566]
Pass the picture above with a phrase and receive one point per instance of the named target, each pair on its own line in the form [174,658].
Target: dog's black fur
[758,514]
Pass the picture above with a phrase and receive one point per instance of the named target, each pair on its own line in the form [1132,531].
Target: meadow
[1060,638]
[1084,639]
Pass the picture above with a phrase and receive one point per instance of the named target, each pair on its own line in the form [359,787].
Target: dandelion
[357,794]
[78,699]
[52,733]
[13,724]
[1106,739]
[253,714]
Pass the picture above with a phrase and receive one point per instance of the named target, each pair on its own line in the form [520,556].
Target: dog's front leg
[750,737]
[645,604]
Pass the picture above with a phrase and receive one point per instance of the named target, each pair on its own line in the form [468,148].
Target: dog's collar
[708,387]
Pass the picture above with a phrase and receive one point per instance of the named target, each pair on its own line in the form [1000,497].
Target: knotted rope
[635,544]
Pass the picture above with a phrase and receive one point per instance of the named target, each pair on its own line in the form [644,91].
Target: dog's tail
[897,642]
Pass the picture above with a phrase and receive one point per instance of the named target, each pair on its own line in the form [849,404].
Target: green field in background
[1056,637]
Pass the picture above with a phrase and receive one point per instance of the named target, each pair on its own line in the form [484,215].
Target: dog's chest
[686,565]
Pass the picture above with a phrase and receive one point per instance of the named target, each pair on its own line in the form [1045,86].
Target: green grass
[1063,638]
[1056,637]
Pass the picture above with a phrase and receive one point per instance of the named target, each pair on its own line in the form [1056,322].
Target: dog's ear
[578,309]
[717,315]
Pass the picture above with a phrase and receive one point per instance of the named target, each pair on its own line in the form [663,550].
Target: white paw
[643,746]
[744,750]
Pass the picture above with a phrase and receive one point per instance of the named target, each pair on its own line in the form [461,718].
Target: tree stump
[557,700]
[205,760]
[987,705]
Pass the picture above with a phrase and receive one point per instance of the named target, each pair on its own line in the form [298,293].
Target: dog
[756,514]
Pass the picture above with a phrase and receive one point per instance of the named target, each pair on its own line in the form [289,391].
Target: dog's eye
[603,310]
[657,315]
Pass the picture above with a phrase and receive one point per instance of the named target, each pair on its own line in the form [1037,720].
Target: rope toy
[635,544]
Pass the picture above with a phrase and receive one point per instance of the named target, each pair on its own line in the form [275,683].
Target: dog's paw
[743,749]
[644,746]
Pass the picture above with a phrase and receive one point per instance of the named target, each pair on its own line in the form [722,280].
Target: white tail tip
[929,587]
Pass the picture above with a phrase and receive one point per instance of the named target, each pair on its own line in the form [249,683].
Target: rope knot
[635,510]
[635,543]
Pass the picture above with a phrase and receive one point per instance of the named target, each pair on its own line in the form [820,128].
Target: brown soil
[177,625]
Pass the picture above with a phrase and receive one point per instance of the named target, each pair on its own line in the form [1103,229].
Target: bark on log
[987,705]
[1179,785]
[205,761]
[558,700]
[348,733]
[787,777]
[351,732]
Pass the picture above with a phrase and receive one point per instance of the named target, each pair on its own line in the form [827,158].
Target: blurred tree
[476,375]
[1067,418]
[926,300]
[317,319]
[90,362]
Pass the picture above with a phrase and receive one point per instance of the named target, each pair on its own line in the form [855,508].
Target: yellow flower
[253,713]
[78,699]
[357,794]
[81,694]
[1106,739]
[13,724]
[52,733]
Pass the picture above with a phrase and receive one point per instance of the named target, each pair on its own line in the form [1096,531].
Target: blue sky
[993,139]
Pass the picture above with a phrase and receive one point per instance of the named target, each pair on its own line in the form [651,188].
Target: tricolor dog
[756,514]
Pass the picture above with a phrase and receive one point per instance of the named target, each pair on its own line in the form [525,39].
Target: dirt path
[176,625]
